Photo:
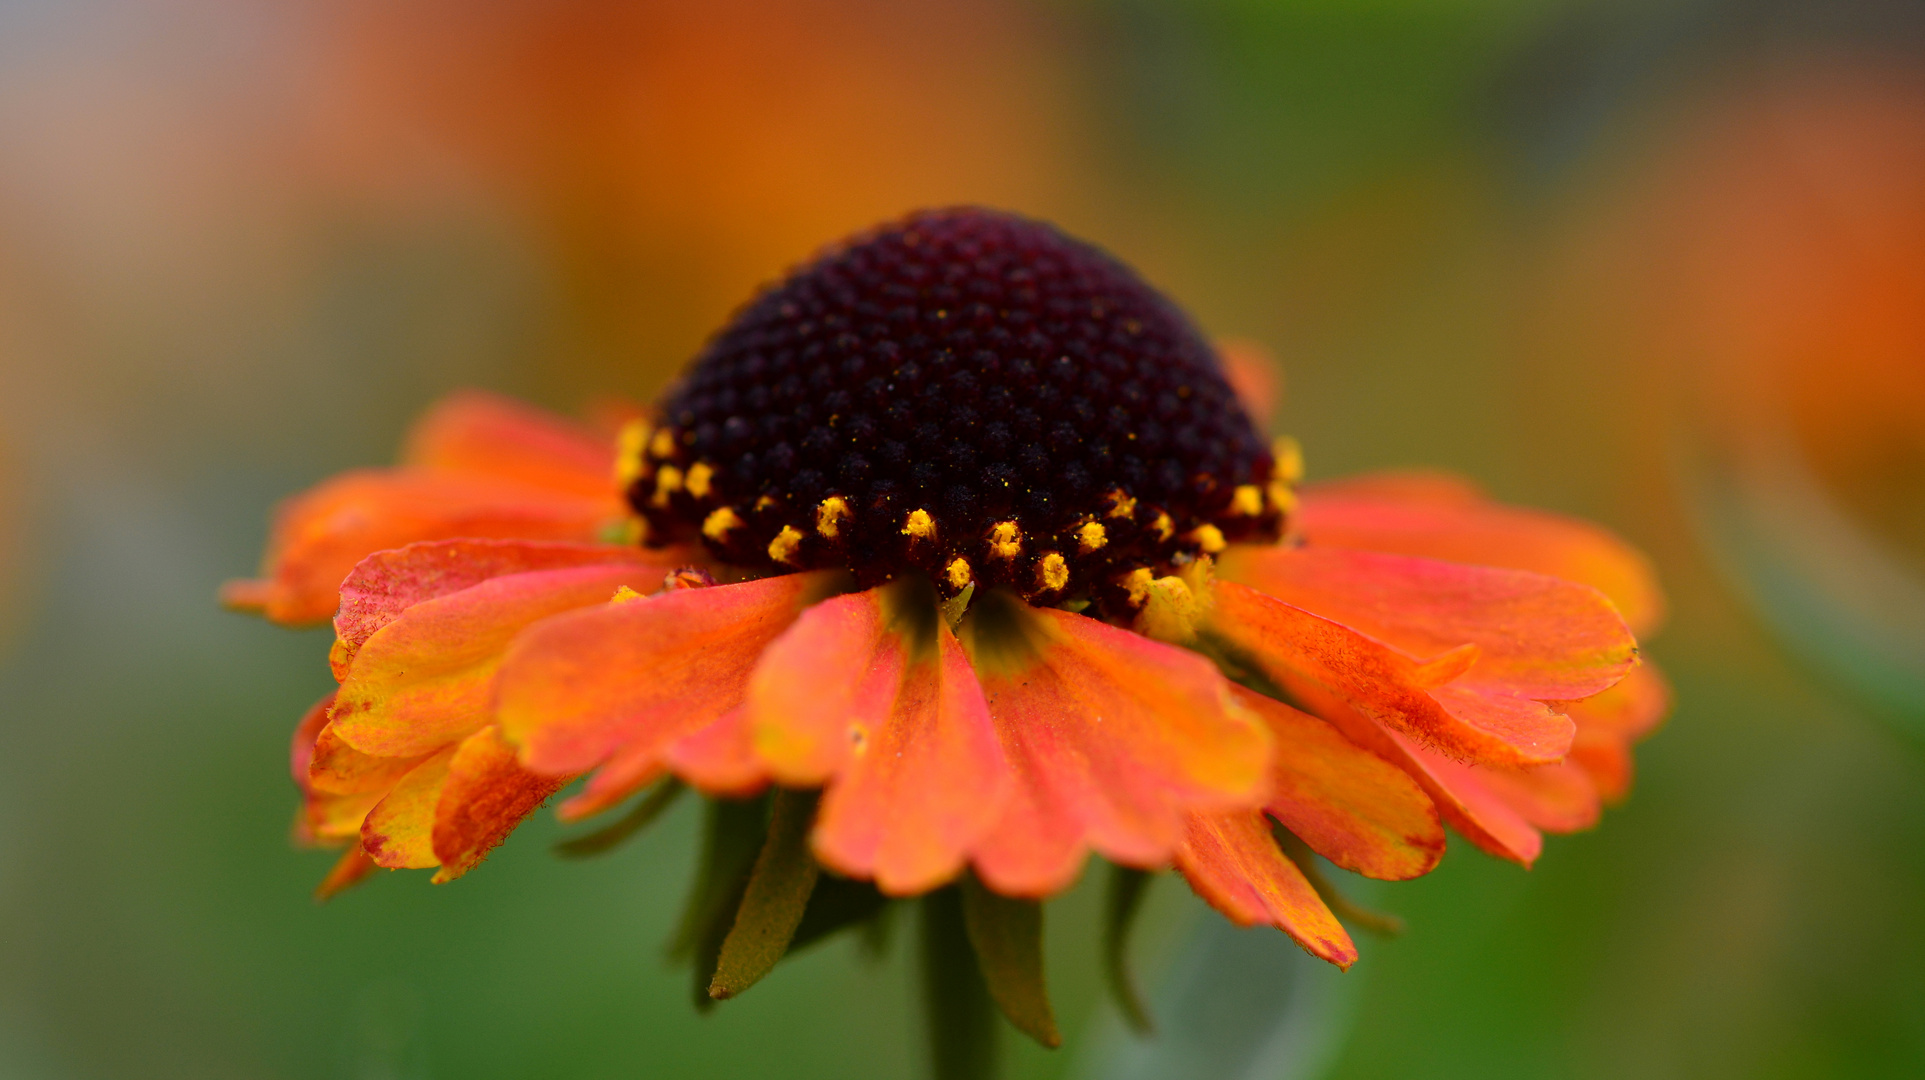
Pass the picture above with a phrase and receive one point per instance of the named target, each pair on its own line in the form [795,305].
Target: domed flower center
[964,393]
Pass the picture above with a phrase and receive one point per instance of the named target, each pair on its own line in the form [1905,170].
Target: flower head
[963,528]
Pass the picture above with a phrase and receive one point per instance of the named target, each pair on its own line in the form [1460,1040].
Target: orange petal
[309,729]
[1440,519]
[1351,806]
[427,678]
[1114,738]
[399,831]
[387,583]
[339,769]
[1253,374]
[348,870]
[1482,817]
[870,695]
[720,759]
[319,535]
[1538,637]
[477,432]
[1232,862]
[640,675]
[327,819]
[1313,657]
[484,797]
[1609,723]
[1560,798]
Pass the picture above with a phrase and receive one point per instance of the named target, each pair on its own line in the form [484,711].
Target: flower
[963,526]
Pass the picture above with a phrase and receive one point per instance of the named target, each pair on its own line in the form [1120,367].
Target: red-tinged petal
[870,695]
[349,870]
[399,831]
[1558,798]
[319,535]
[477,432]
[309,729]
[427,678]
[484,797]
[720,759]
[1252,372]
[1313,657]
[1538,637]
[1630,710]
[1351,806]
[579,687]
[629,771]
[1439,518]
[326,820]
[1482,817]
[336,768]
[1608,761]
[1233,863]
[387,583]
[1114,739]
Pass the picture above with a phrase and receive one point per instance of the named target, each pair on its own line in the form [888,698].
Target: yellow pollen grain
[959,573]
[764,503]
[721,523]
[1091,536]
[1246,500]
[830,516]
[1052,572]
[629,446]
[1163,526]
[668,481]
[919,525]
[1283,497]
[1209,538]
[1005,540]
[1138,582]
[662,443]
[1288,454]
[1121,505]
[625,595]
[782,548]
[697,481]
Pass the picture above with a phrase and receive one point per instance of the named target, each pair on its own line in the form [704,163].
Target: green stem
[960,1015]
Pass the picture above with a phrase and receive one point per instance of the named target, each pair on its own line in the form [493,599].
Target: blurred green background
[242,243]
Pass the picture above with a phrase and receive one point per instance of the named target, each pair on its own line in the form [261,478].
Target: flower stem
[960,1015]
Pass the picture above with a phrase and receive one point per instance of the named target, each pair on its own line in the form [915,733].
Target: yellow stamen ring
[718,525]
[919,525]
[1247,500]
[959,573]
[668,481]
[1052,572]
[1005,540]
[629,448]
[699,475]
[1209,538]
[830,516]
[782,548]
[1091,537]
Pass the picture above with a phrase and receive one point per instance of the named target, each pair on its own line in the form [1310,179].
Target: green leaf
[774,900]
[1008,936]
[837,904]
[732,836]
[962,1022]
[643,814]
[1124,899]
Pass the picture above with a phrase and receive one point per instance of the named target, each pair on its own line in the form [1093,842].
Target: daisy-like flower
[960,541]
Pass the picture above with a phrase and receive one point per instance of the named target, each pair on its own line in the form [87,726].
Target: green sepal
[773,901]
[837,904]
[1122,902]
[1007,934]
[641,816]
[732,836]
[956,1006]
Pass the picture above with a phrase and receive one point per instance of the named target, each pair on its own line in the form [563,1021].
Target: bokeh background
[1661,264]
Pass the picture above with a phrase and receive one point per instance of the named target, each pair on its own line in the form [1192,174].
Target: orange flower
[963,486]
